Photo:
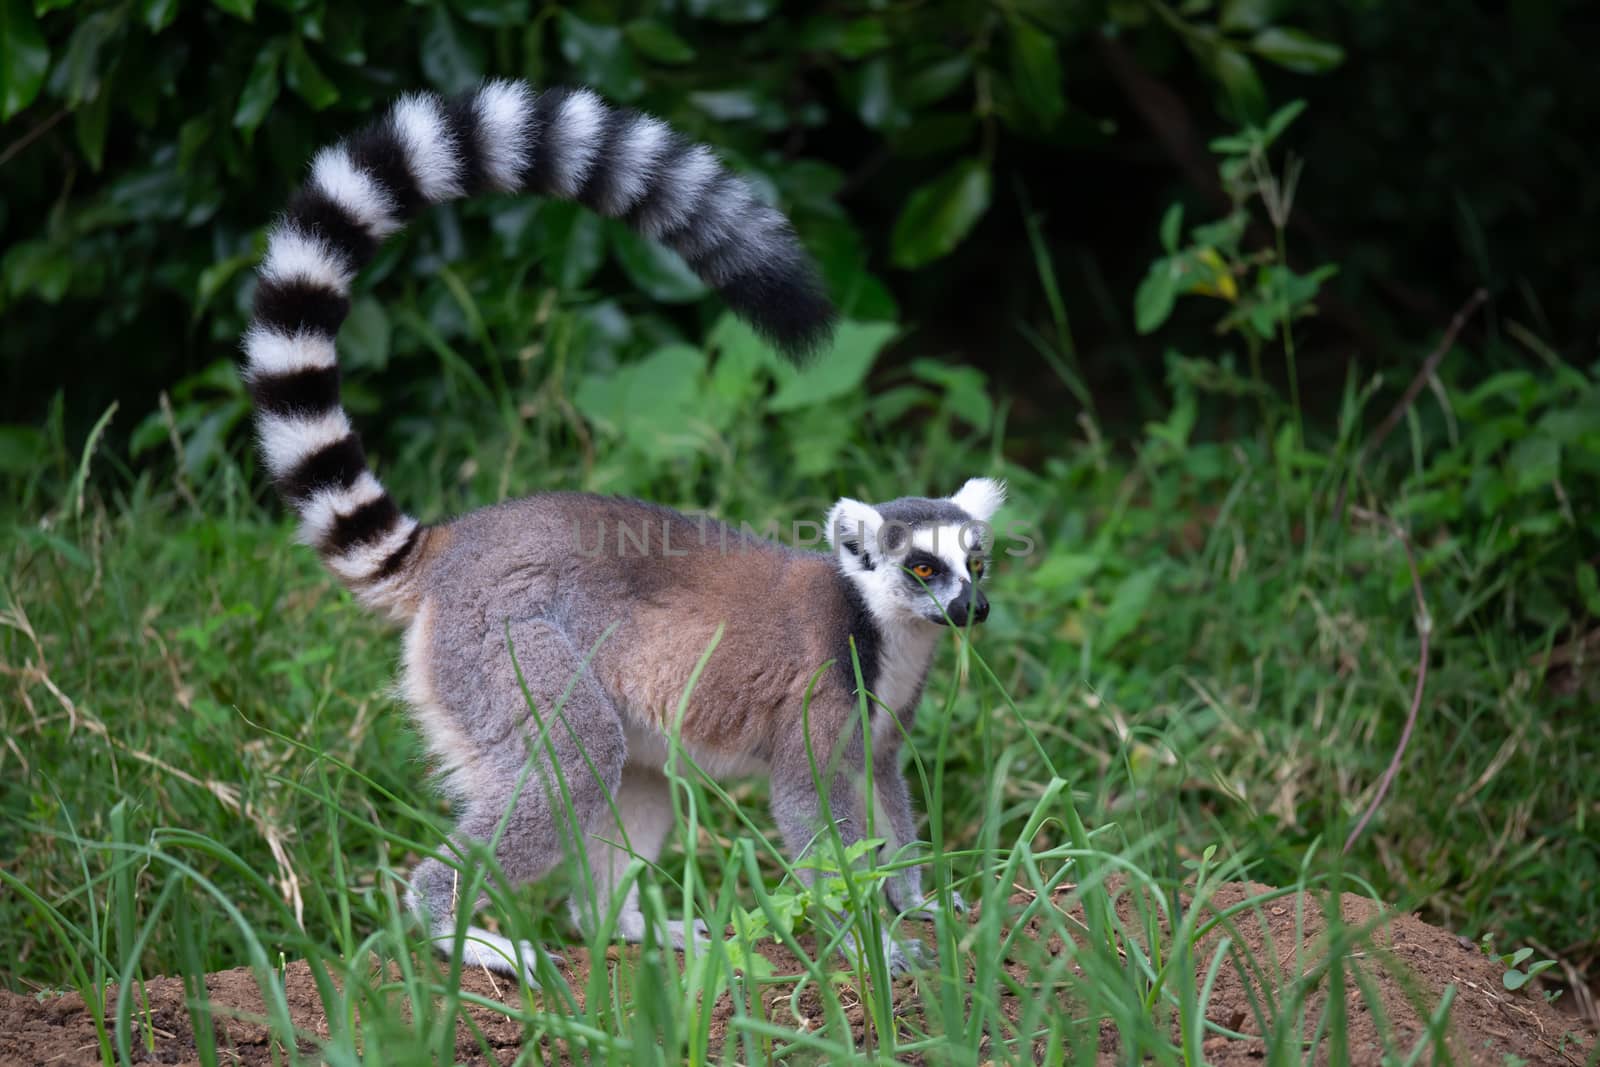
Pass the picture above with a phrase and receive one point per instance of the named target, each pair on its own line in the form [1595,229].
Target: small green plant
[1264,295]
[1516,976]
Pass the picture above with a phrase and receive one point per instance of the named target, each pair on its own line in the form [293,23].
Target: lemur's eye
[923,571]
[975,566]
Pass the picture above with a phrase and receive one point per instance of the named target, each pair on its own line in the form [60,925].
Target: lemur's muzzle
[970,604]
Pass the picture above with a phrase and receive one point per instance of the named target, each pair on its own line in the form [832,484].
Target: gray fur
[605,629]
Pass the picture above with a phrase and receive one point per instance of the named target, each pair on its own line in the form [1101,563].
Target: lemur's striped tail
[506,138]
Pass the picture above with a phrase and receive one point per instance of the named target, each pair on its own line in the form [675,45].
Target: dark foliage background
[146,142]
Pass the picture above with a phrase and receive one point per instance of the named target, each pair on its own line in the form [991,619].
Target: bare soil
[1407,962]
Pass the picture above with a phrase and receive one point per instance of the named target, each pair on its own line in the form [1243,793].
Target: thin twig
[1429,366]
[31,136]
[1424,629]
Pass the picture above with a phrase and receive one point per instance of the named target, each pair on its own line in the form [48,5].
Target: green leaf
[1514,980]
[22,449]
[939,214]
[861,37]
[576,244]
[1297,50]
[654,40]
[732,10]
[1281,119]
[89,125]
[1036,70]
[451,60]
[1237,75]
[1063,572]
[68,551]
[966,392]
[307,79]
[39,267]
[1127,608]
[600,57]
[158,14]
[853,39]
[1157,293]
[838,371]
[1534,464]
[245,9]
[654,269]
[212,280]
[79,72]
[740,374]
[1172,228]
[343,36]
[498,13]
[364,338]
[935,81]
[1247,15]
[1589,589]
[874,96]
[728,105]
[260,87]
[652,404]
[24,57]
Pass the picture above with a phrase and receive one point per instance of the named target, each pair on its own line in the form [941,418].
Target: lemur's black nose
[971,602]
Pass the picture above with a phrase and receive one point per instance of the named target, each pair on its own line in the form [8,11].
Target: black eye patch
[922,564]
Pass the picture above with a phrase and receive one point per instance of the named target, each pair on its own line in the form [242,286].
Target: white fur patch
[434,157]
[716,220]
[328,505]
[363,562]
[853,521]
[494,952]
[636,162]
[502,108]
[335,174]
[902,665]
[268,352]
[681,190]
[952,542]
[444,738]
[980,497]
[287,441]
[296,256]
[576,141]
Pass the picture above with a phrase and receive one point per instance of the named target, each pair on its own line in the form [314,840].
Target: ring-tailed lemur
[609,637]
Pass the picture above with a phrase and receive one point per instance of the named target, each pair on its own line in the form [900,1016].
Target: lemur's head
[919,560]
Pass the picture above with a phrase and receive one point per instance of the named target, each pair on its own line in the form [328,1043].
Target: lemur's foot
[901,956]
[501,955]
[631,928]
[908,955]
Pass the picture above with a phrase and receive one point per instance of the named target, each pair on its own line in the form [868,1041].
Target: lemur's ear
[853,529]
[980,497]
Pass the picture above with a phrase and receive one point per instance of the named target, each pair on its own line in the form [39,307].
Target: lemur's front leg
[904,887]
[797,809]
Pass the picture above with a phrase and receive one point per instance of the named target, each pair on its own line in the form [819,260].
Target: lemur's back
[619,575]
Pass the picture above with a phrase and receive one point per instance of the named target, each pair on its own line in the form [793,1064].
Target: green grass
[1196,675]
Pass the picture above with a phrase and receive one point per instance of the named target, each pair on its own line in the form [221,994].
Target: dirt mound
[1408,963]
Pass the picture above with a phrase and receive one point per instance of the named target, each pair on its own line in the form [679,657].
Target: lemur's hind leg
[538,779]
[638,828]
